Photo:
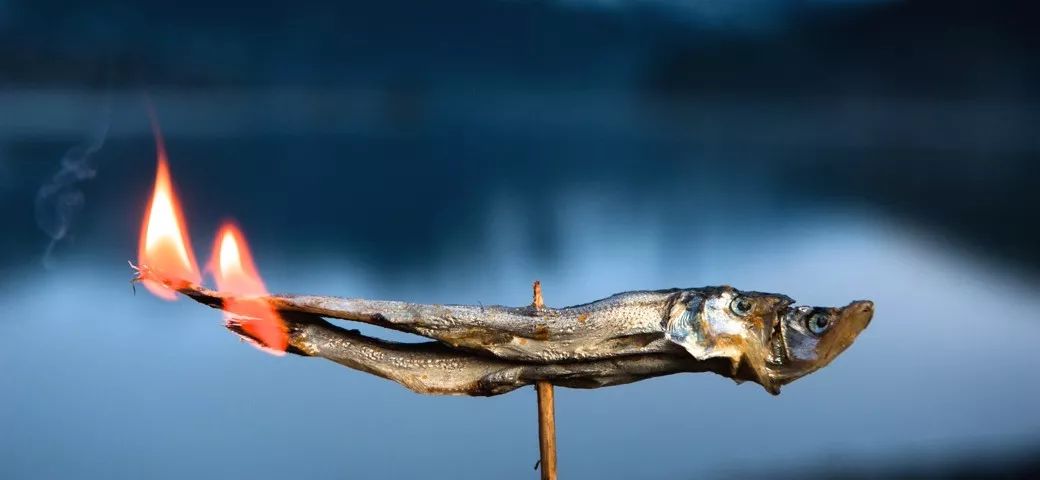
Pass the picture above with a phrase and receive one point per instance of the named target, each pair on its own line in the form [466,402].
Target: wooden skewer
[547,429]
[546,412]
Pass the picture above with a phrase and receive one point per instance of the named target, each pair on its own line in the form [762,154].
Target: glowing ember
[164,247]
[235,273]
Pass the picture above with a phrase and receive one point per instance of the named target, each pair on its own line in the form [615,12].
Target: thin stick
[547,429]
[546,411]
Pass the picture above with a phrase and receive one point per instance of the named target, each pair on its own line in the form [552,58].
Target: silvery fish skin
[739,334]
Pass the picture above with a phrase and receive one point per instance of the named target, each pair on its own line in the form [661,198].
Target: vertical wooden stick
[546,412]
[547,429]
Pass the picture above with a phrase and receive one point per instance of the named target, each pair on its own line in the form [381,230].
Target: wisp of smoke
[60,199]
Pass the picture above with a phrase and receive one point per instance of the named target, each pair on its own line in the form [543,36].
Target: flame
[235,273]
[164,247]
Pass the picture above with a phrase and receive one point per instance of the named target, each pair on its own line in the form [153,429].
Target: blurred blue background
[452,152]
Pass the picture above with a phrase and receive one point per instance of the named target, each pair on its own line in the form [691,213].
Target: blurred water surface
[127,386]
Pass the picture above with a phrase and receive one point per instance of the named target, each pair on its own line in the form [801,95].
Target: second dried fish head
[809,338]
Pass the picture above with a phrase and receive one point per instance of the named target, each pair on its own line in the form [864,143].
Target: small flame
[235,273]
[164,247]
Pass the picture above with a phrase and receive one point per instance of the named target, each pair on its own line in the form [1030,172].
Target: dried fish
[488,350]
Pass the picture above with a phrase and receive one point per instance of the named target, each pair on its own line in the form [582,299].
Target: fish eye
[741,305]
[818,323]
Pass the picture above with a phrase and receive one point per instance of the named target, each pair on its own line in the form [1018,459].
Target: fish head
[809,338]
[766,339]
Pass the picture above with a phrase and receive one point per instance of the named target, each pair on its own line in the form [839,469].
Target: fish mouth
[854,318]
[864,309]
[776,343]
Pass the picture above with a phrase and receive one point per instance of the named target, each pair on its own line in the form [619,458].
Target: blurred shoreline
[992,126]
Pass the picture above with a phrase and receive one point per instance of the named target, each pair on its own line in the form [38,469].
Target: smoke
[60,200]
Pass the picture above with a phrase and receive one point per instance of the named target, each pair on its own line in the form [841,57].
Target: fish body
[761,337]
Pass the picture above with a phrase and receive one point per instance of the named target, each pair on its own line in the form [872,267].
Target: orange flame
[235,273]
[164,247]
